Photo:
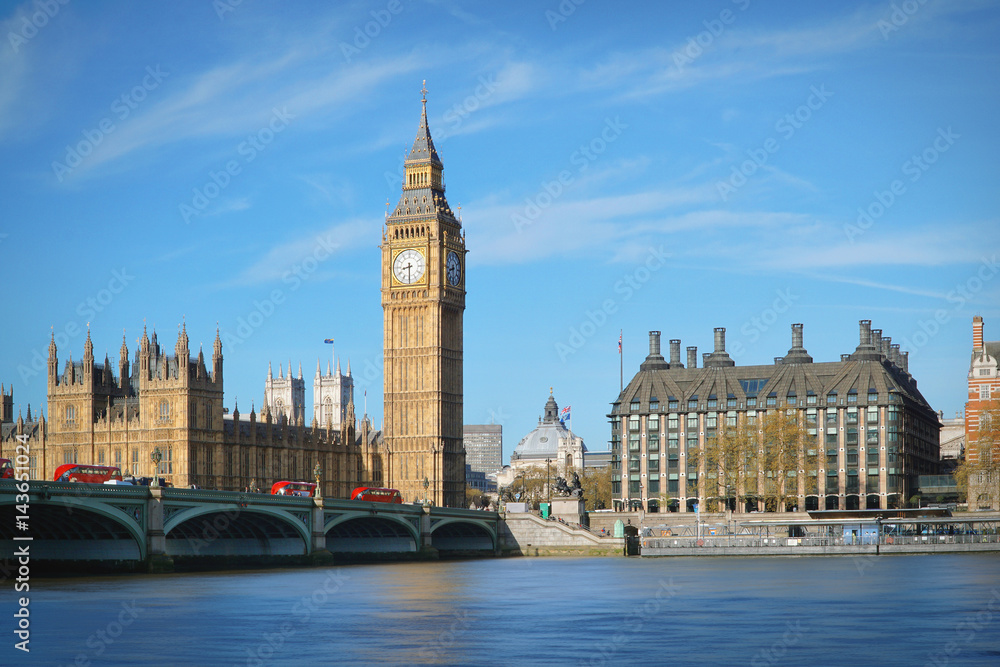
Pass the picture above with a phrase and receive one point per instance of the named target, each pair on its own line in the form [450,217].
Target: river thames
[866,610]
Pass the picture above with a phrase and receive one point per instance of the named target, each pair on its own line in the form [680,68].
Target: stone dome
[543,441]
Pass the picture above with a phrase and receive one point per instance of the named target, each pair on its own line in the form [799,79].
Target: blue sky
[620,167]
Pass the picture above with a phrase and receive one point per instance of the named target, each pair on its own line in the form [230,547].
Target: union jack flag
[564,414]
[619,343]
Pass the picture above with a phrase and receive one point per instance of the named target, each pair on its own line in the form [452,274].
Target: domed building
[550,442]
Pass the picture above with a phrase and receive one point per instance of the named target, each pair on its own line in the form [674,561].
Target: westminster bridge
[133,525]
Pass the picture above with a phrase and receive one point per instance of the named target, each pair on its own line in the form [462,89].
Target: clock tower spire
[423,301]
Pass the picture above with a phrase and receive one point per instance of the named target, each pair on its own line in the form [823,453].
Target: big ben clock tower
[423,299]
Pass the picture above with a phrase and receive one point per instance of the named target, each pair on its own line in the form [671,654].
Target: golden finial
[423,91]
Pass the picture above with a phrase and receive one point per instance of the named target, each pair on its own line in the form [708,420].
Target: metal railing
[758,541]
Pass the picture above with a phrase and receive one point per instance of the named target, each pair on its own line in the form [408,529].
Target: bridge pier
[318,553]
[427,549]
[157,559]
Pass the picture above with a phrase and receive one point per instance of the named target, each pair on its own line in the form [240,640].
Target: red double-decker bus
[77,472]
[305,489]
[376,495]
[6,469]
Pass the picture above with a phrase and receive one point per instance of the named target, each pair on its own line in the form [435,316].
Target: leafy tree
[760,461]
[979,474]
[596,484]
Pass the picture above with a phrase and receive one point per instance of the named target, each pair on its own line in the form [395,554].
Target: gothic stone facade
[874,432]
[423,301]
[174,403]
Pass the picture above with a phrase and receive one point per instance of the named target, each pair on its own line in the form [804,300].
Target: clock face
[454,268]
[408,267]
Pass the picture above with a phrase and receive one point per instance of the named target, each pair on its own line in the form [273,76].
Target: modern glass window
[693,404]
[653,442]
[831,398]
[654,405]
[873,415]
[672,422]
[811,399]
[772,401]
[752,402]
[672,405]
[692,422]
[731,403]
[633,423]
[712,403]
[634,406]
[852,397]
[652,424]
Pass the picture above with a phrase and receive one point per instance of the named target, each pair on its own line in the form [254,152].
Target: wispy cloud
[308,249]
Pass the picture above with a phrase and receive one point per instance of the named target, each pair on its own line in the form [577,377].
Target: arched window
[164,410]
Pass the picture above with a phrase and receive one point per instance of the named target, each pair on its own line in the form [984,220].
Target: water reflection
[837,610]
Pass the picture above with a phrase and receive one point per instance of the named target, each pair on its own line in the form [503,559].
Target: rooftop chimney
[877,340]
[655,360]
[692,356]
[675,353]
[977,332]
[894,354]
[798,354]
[719,357]
[866,351]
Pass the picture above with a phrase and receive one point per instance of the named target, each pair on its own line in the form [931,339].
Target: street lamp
[317,474]
[156,456]
[426,485]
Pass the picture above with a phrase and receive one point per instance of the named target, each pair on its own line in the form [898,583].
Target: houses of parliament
[102,415]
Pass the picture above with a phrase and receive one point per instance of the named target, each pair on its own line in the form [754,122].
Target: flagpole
[621,364]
